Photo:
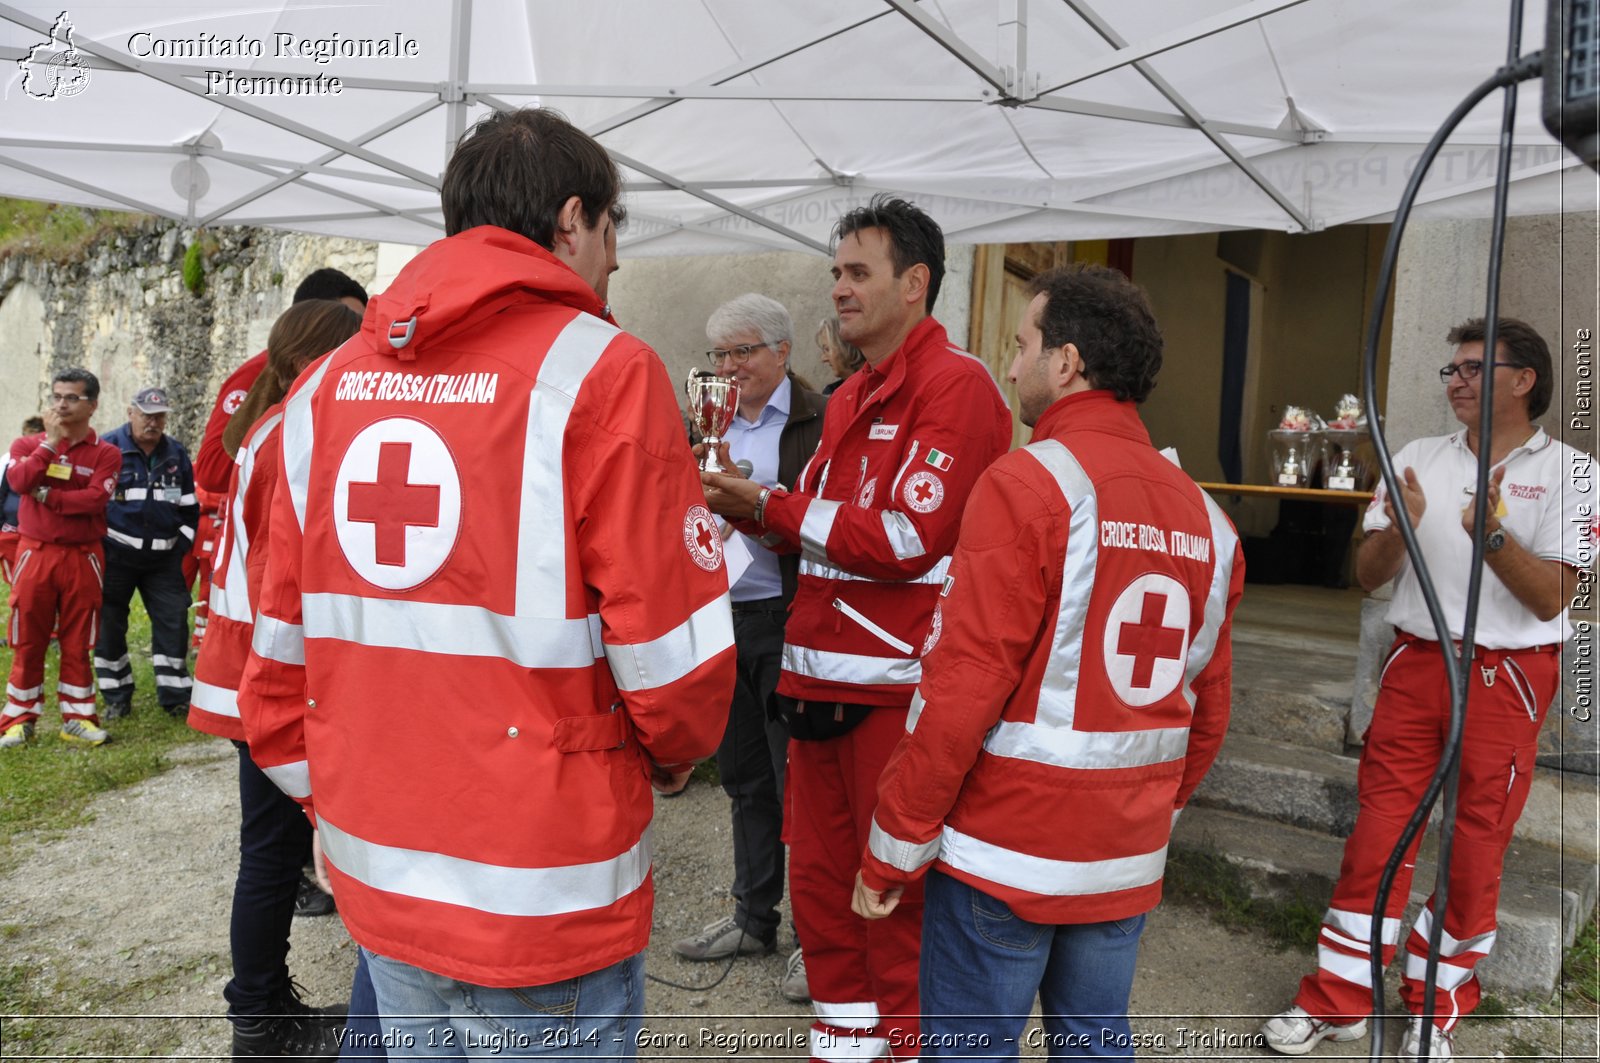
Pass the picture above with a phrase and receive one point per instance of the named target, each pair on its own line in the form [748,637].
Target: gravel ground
[115,940]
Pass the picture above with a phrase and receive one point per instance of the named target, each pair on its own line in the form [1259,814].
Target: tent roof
[752,124]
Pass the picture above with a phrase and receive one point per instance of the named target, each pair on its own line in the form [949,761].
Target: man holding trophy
[773,423]
[874,517]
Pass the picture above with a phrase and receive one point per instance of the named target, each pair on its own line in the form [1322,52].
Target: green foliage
[54,231]
[1580,974]
[1491,1007]
[1205,878]
[48,785]
[194,267]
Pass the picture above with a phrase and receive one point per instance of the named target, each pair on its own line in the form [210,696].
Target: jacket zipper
[858,617]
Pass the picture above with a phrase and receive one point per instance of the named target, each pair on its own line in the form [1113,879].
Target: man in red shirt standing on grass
[66,475]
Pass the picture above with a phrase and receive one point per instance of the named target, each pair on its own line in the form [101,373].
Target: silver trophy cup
[713,400]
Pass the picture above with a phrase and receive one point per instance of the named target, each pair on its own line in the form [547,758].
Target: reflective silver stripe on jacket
[850,668]
[541,570]
[1046,877]
[816,526]
[493,888]
[1050,739]
[897,853]
[297,441]
[232,598]
[644,665]
[465,630]
[293,779]
[1223,543]
[278,641]
[902,536]
[219,701]
[822,570]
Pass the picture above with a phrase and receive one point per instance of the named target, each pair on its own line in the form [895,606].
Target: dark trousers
[274,844]
[751,761]
[158,577]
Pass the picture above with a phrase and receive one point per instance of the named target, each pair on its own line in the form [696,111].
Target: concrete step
[1316,790]
[1294,663]
[1546,895]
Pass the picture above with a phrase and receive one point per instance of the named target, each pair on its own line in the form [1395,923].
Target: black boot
[310,900]
[294,1030]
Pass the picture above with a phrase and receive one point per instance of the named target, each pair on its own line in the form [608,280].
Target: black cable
[1469,624]
[1520,70]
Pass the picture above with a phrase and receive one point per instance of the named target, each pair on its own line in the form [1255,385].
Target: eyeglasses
[1469,369]
[739,355]
[70,400]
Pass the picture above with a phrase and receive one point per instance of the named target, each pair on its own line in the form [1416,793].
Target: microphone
[744,466]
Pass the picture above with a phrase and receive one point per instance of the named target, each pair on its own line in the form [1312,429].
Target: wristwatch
[1494,540]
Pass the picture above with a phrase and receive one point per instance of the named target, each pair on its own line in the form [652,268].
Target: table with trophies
[1324,473]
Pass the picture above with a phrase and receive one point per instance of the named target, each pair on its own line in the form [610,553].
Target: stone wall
[122,311]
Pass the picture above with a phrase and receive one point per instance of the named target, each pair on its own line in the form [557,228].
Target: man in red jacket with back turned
[874,516]
[494,612]
[1076,697]
[66,476]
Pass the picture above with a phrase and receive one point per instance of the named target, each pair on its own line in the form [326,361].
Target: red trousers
[55,588]
[198,562]
[1507,695]
[863,975]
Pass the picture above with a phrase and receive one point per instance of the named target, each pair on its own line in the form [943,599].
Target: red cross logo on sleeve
[701,538]
[923,492]
[1148,640]
[391,504]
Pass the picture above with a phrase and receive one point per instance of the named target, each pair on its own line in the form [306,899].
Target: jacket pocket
[1524,689]
[871,628]
[588,734]
[1394,655]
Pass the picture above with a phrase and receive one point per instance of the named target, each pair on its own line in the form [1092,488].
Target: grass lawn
[47,785]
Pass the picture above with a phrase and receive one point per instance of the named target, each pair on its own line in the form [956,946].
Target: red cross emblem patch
[397,503]
[923,492]
[701,537]
[1147,639]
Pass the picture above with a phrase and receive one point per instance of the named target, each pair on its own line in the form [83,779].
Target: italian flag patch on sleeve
[939,459]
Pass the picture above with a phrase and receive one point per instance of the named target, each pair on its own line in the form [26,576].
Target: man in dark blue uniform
[150,527]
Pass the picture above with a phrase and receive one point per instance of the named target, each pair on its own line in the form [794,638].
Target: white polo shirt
[1549,499]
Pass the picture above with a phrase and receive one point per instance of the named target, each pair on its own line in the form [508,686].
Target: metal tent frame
[373,171]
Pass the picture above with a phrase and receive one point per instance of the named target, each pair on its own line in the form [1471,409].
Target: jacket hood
[459,281]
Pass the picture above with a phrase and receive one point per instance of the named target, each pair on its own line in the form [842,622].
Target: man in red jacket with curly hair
[1075,693]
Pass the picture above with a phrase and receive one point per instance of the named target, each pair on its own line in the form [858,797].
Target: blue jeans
[364,1031]
[598,1014]
[982,966]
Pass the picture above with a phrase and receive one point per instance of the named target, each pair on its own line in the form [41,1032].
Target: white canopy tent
[751,124]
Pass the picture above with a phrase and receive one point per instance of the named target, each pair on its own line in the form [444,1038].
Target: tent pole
[453,95]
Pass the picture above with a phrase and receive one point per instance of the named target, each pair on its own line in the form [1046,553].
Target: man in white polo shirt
[1538,537]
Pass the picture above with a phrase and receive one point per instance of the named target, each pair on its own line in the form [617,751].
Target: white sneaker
[794,985]
[1295,1032]
[18,734]
[1440,1046]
